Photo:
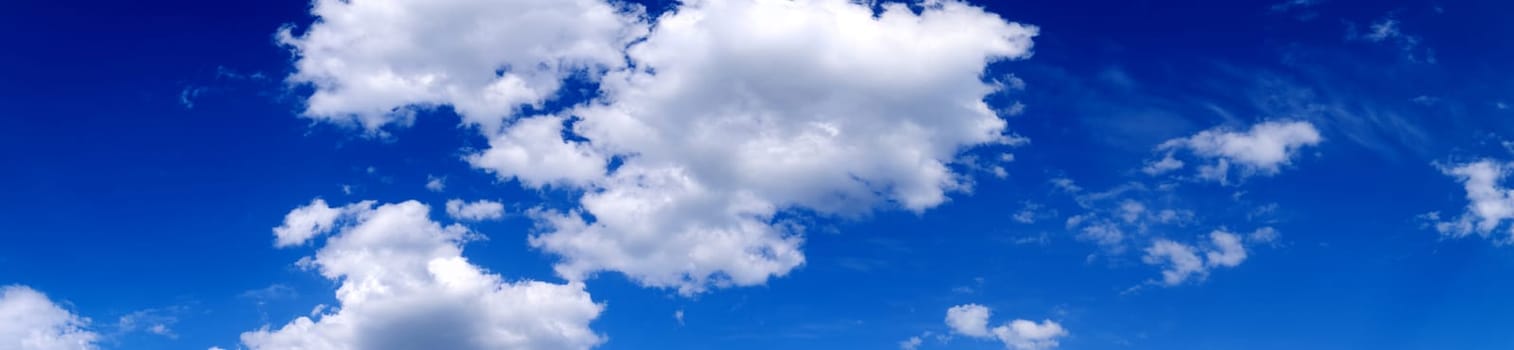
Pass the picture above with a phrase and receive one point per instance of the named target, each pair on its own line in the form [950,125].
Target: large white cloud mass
[972,320]
[31,321]
[707,125]
[405,285]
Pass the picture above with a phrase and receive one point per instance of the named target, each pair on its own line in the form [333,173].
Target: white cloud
[725,114]
[435,184]
[404,284]
[1227,252]
[1263,235]
[534,151]
[304,223]
[1066,185]
[1029,212]
[31,321]
[1102,232]
[1131,210]
[1030,335]
[479,210]
[370,60]
[1182,262]
[910,344]
[1489,205]
[1262,150]
[1166,164]
[822,106]
[972,320]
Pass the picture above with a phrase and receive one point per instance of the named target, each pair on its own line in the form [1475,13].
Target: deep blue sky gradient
[119,197]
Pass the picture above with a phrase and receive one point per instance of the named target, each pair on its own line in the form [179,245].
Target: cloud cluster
[404,284]
[1182,262]
[972,320]
[1261,150]
[1489,203]
[31,321]
[1142,213]
[710,120]
[1128,212]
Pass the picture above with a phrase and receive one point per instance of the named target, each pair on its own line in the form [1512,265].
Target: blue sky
[1341,178]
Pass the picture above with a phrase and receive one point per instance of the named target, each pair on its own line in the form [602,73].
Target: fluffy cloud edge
[972,320]
[29,320]
[1182,262]
[1263,149]
[1489,203]
[404,283]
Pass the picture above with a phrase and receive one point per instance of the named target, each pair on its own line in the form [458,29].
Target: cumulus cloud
[31,321]
[1182,262]
[972,320]
[404,284]
[370,61]
[706,126]
[910,344]
[302,224]
[1030,212]
[1489,203]
[475,211]
[837,111]
[1262,150]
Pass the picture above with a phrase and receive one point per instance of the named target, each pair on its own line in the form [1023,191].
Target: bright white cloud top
[1262,150]
[304,223]
[31,321]
[1183,262]
[972,320]
[533,151]
[1489,203]
[405,285]
[479,210]
[371,60]
[723,114]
